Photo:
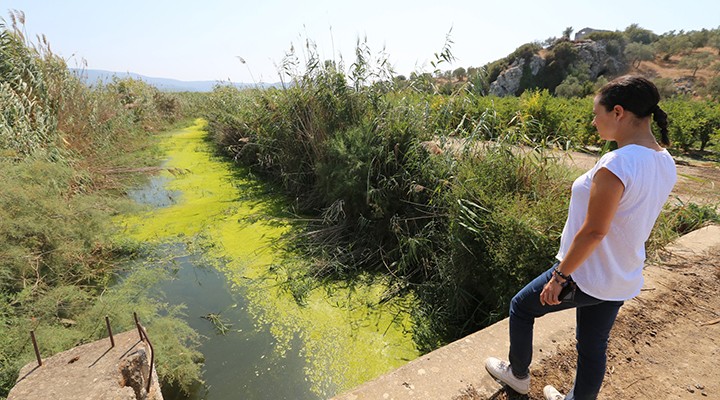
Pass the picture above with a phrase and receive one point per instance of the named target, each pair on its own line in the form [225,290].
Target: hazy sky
[201,40]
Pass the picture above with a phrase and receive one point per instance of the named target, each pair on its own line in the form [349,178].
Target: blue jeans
[594,320]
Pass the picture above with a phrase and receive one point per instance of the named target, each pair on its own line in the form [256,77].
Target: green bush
[693,124]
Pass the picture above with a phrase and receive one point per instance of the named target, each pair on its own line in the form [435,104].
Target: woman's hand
[550,292]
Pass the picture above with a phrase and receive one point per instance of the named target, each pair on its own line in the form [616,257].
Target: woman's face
[604,121]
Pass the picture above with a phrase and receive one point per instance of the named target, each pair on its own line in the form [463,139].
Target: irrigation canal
[218,230]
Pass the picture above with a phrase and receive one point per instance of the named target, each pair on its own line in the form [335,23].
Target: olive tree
[696,61]
[638,52]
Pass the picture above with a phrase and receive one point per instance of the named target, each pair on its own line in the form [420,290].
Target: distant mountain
[164,84]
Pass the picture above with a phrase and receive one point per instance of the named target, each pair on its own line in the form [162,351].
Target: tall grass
[453,195]
[361,162]
[58,140]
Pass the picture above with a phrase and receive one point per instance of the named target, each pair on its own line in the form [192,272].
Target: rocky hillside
[679,63]
[547,68]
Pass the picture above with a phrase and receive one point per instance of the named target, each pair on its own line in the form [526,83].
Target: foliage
[426,184]
[58,139]
[505,223]
[570,87]
[558,62]
[695,61]
[714,40]
[638,52]
[459,73]
[692,123]
[690,216]
[636,34]
[713,88]
[671,44]
[27,120]
[615,41]
[360,161]
[666,87]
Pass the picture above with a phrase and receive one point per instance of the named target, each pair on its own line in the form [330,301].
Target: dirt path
[698,181]
[665,344]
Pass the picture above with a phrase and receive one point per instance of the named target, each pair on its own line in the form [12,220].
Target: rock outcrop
[508,82]
[599,59]
[597,56]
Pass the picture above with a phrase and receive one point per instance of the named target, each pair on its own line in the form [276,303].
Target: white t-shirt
[614,270]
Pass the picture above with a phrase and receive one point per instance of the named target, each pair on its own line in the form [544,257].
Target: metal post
[137,324]
[37,351]
[112,340]
[146,339]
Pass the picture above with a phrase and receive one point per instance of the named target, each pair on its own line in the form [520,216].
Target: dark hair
[637,95]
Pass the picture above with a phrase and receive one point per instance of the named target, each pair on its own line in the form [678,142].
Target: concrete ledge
[449,370]
[89,372]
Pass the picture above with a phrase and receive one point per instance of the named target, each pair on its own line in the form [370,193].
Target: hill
[164,84]
[685,63]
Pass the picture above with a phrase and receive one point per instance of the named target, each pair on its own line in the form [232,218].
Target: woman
[613,208]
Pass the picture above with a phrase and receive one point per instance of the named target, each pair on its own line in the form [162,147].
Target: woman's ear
[618,111]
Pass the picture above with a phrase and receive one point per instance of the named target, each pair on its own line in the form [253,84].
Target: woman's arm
[605,193]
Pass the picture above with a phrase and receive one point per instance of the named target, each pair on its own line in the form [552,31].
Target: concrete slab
[87,372]
[449,370]
[696,242]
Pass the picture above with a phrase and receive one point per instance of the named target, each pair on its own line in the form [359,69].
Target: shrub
[570,87]
[692,122]
[666,87]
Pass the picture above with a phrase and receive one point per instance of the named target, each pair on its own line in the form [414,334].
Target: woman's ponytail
[660,118]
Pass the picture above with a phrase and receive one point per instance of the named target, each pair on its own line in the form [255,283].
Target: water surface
[223,233]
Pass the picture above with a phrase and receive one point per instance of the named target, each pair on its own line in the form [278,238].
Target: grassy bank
[65,153]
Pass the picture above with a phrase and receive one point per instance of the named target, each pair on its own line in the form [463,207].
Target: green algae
[349,332]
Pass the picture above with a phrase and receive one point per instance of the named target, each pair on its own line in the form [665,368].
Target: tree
[549,41]
[567,32]
[715,67]
[459,73]
[637,34]
[699,38]
[666,87]
[714,40]
[671,44]
[696,61]
[637,52]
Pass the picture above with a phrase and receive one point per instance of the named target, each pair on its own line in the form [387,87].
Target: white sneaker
[500,370]
[552,394]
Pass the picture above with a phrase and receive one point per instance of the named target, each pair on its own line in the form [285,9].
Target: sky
[204,40]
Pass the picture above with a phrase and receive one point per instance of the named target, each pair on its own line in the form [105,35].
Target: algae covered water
[221,232]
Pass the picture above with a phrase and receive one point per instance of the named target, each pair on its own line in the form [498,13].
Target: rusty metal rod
[152,357]
[37,351]
[137,324]
[112,340]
